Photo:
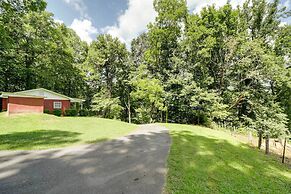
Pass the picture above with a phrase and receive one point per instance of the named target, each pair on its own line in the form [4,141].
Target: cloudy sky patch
[124,19]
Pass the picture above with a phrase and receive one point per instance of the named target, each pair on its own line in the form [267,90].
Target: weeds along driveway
[132,164]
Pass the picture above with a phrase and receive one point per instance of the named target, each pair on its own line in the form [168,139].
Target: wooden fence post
[267,149]
[260,139]
[284,150]
[250,138]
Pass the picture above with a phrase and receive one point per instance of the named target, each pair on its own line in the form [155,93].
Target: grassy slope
[202,160]
[27,132]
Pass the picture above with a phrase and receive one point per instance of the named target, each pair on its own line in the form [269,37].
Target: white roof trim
[33,91]
[40,92]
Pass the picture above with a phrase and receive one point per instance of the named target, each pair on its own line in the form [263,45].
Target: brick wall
[49,104]
[25,105]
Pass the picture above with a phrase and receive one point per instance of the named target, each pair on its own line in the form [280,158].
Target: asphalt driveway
[132,164]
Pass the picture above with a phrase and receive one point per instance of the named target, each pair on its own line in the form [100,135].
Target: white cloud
[133,21]
[84,29]
[58,21]
[287,4]
[282,24]
[79,6]
[197,6]
[139,13]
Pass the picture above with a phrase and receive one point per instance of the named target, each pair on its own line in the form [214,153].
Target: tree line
[226,65]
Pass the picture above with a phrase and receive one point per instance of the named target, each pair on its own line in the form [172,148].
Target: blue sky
[124,19]
[100,12]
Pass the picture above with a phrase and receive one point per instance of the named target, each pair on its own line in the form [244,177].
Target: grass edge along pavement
[204,160]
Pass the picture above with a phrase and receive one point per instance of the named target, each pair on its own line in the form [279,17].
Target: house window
[57,105]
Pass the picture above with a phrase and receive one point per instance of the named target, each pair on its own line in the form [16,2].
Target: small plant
[46,111]
[71,112]
[57,112]
[83,112]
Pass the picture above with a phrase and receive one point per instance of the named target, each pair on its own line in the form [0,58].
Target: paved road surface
[132,164]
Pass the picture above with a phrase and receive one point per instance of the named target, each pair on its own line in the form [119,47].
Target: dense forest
[226,65]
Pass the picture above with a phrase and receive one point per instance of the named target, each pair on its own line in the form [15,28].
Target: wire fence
[278,146]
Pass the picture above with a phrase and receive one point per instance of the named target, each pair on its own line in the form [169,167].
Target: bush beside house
[71,112]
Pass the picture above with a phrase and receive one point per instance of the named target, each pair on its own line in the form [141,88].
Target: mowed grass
[35,131]
[203,160]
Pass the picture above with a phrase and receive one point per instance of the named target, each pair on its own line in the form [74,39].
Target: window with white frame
[57,105]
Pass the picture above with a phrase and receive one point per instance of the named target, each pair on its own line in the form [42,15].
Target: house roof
[6,94]
[40,93]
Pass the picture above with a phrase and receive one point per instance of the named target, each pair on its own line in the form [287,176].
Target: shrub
[107,107]
[46,111]
[91,113]
[83,112]
[57,112]
[71,112]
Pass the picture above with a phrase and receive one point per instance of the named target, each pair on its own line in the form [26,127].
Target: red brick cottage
[35,101]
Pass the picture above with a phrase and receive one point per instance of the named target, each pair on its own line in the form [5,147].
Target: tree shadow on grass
[200,164]
[38,139]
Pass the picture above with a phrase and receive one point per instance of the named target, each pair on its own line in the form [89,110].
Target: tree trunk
[108,79]
[284,150]
[267,151]
[27,73]
[129,112]
[260,140]
[198,120]
[250,138]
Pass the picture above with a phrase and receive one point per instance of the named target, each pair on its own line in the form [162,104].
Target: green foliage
[222,65]
[71,112]
[148,95]
[139,47]
[208,104]
[163,36]
[262,18]
[108,69]
[253,86]
[106,63]
[226,64]
[106,106]
[57,112]
[46,111]
[36,51]
[283,48]
[83,112]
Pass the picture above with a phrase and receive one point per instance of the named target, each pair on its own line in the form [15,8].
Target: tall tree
[37,51]
[147,95]
[107,59]
[164,35]
[139,46]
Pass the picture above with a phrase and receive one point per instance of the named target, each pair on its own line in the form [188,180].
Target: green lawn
[202,160]
[30,132]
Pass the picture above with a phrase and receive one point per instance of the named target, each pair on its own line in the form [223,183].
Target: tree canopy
[226,65]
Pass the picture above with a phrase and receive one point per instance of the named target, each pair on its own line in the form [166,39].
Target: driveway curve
[132,164]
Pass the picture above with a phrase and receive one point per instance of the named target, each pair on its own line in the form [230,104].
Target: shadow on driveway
[132,164]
